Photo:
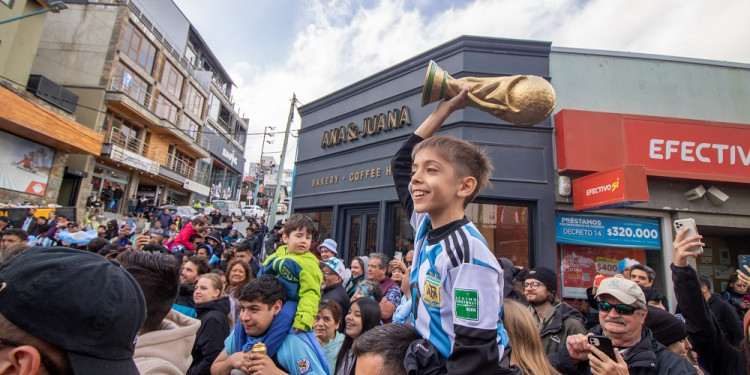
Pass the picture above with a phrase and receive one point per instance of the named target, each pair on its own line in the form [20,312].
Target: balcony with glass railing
[161,112]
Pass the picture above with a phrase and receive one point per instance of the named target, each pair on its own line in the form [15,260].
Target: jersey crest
[431,294]
[303,365]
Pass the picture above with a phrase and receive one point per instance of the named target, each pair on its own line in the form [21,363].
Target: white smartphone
[689,223]
[398,255]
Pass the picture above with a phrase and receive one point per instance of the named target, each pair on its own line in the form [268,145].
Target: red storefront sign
[618,187]
[667,147]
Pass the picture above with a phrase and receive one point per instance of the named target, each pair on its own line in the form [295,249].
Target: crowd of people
[189,298]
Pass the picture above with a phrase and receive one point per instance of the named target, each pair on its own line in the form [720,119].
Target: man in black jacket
[730,323]
[622,312]
[715,352]
[334,273]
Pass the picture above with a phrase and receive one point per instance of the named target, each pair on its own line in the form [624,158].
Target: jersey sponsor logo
[432,295]
[303,365]
[467,304]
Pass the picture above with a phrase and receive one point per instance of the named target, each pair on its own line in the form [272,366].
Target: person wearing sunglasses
[622,313]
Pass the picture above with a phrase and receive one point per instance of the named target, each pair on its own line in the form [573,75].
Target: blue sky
[273,48]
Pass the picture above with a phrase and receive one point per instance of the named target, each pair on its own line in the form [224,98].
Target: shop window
[596,245]
[504,227]
[138,48]
[171,79]
[323,219]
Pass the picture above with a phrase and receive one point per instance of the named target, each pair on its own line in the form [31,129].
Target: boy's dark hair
[18,232]
[96,244]
[648,270]
[159,278]
[265,289]
[299,221]
[195,237]
[243,248]
[391,342]
[201,264]
[465,158]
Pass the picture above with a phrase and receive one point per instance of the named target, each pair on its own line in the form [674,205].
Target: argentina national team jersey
[455,281]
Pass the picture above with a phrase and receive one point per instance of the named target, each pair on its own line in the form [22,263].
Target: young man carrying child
[456,282]
[263,302]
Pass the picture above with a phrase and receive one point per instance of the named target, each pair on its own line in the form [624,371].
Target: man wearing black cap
[555,320]
[79,313]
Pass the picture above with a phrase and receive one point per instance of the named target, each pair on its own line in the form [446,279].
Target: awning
[36,123]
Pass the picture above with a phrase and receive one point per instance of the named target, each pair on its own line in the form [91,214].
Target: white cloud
[343,41]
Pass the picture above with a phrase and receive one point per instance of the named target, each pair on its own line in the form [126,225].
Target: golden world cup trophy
[520,100]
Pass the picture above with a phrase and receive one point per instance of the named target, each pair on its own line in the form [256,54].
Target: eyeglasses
[533,286]
[52,368]
[327,273]
[621,309]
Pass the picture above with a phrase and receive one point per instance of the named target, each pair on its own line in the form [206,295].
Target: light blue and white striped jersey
[455,281]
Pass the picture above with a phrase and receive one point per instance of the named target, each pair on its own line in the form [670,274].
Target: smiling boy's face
[433,183]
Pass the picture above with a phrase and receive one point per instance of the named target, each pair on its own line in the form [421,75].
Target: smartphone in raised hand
[692,230]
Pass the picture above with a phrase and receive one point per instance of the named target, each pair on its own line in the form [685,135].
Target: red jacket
[183,238]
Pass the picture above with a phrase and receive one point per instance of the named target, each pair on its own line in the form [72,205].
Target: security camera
[695,193]
[563,186]
[716,196]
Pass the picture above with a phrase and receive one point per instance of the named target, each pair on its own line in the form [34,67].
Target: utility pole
[275,202]
[259,172]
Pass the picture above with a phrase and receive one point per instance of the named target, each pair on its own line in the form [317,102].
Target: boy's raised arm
[401,162]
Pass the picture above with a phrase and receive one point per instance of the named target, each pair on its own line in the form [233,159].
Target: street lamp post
[260,164]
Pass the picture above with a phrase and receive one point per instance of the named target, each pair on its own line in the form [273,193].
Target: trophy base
[433,89]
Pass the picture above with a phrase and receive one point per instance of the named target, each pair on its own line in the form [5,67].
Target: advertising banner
[24,165]
[580,264]
[612,231]
[612,188]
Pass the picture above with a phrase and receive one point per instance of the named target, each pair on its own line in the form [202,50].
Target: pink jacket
[183,238]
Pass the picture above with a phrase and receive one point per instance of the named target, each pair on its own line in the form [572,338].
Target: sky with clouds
[273,48]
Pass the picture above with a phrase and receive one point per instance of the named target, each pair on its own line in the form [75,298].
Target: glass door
[361,232]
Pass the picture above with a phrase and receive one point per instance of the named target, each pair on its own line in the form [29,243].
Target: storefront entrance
[361,231]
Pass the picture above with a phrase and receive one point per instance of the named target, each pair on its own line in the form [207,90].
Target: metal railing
[184,169]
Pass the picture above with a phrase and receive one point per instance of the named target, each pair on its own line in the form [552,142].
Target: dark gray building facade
[343,175]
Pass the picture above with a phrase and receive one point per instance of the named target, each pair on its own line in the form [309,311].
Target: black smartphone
[604,344]
[743,260]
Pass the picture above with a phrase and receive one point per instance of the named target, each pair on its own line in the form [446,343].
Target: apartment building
[148,83]
[38,132]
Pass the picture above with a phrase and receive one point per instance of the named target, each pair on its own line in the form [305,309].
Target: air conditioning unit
[51,92]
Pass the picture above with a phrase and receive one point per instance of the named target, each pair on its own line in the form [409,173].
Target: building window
[323,220]
[128,82]
[166,110]
[138,48]
[194,100]
[214,107]
[191,55]
[171,79]
[189,126]
[504,227]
